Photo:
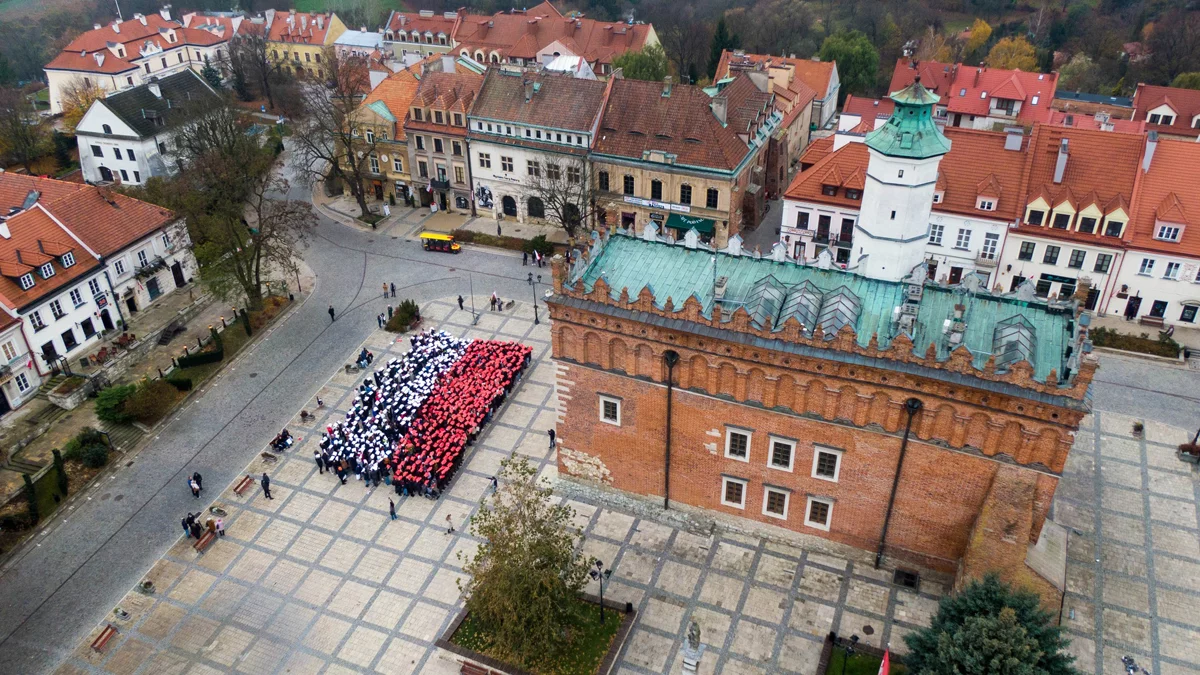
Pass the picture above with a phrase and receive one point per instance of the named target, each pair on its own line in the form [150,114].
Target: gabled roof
[988,187]
[452,92]
[868,108]
[1185,103]
[639,119]
[559,101]
[817,150]
[97,50]
[970,89]
[149,114]
[121,32]
[413,21]
[1167,192]
[524,33]
[1170,209]
[395,95]
[300,27]
[748,106]
[849,160]
[1061,118]
[222,24]
[815,75]
[23,252]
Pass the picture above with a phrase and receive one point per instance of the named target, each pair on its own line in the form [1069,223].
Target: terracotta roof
[90,62]
[94,50]
[121,32]
[817,150]
[1167,192]
[1185,103]
[15,187]
[410,21]
[221,25]
[868,107]
[452,92]
[559,101]
[1061,118]
[815,75]
[835,168]
[522,34]
[748,106]
[969,89]
[299,27]
[22,253]
[396,93]
[639,119]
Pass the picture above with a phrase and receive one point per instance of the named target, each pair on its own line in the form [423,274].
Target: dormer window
[416,113]
[1113,228]
[853,194]
[938,197]
[1168,232]
[1035,217]
[68,259]
[26,281]
[437,116]
[829,190]
[46,270]
[985,204]
[107,129]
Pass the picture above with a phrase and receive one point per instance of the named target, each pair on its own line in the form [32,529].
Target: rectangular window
[782,452]
[485,160]
[397,165]
[1103,260]
[10,352]
[802,220]
[97,151]
[818,513]
[1062,221]
[610,410]
[1051,255]
[733,492]
[420,142]
[129,154]
[76,297]
[456,147]
[142,259]
[1112,228]
[137,176]
[460,174]
[1035,217]
[553,171]
[685,194]
[374,163]
[987,205]
[26,281]
[1147,267]
[533,167]
[437,116]
[656,189]
[94,287]
[1168,233]
[56,309]
[22,383]
[602,179]
[827,464]
[458,119]
[46,270]
[417,114]
[68,259]
[710,201]
[628,184]
[737,445]
[775,503]
[574,175]
[1172,271]
[964,238]
[438,147]
[422,169]
[119,267]
[1188,315]
[991,243]
[935,234]
[369,135]
[1026,252]
[506,164]
[1087,225]
[35,319]
[69,341]
[1077,258]
[124,176]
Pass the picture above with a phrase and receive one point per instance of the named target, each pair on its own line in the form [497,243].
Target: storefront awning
[679,221]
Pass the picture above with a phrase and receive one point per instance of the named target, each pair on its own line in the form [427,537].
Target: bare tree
[24,135]
[563,189]
[332,141]
[253,56]
[77,98]
[684,34]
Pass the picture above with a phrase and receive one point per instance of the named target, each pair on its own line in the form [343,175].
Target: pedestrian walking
[393,290]
[498,232]
[198,478]
[331,317]
[195,488]
[529,279]
[449,524]
[221,526]
[492,305]
[495,301]
[552,441]
[460,303]
[389,313]
[392,508]
[385,289]
[379,319]
[266,486]
[524,258]
[186,531]
[320,462]
[495,484]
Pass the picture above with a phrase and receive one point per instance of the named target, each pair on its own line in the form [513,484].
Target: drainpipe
[912,406]
[671,358]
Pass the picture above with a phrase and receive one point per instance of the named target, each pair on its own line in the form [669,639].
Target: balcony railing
[440,184]
[986,260]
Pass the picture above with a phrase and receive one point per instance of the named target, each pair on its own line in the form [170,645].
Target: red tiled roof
[22,253]
[848,161]
[559,101]
[452,92]
[88,62]
[224,27]
[522,34]
[816,150]
[815,75]
[396,91]
[410,21]
[121,32]
[1060,118]
[868,108]
[108,227]
[638,118]
[748,106]
[969,89]
[90,51]
[299,27]
[1185,103]
[1167,192]
[15,187]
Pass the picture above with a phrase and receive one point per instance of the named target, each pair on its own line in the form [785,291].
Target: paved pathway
[319,578]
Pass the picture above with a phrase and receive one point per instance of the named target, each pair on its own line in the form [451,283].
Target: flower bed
[1143,344]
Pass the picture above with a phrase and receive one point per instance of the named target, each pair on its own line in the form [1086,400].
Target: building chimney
[165,12]
[720,106]
[1151,144]
[528,84]
[667,86]
[154,88]
[447,63]
[1013,137]
[116,26]
[321,23]
[1060,165]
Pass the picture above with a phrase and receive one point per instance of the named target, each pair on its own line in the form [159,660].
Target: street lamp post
[474,316]
[533,285]
[602,575]
[849,651]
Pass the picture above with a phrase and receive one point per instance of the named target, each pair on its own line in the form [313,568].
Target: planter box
[472,661]
[73,399]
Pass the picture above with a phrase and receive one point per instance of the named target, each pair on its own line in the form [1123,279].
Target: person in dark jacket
[266,486]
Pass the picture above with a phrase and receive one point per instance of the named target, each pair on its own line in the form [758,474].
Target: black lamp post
[533,285]
[600,574]
[849,648]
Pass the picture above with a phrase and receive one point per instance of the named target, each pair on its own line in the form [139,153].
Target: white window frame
[22,382]
[94,287]
[615,401]
[991,245]
[35,320]
[837,469]
[142,258]
[963,239]
[1169,233]
[729,432]
[68,259]
[986,204]
[771,441]
[935,234]
[398,164]
[56,309]
[1172,271]
[1147,267]
[10,351]
[26,281]
[787,502]
[726,480]
[76,297]
[46,270]
[119,266]
[824,527]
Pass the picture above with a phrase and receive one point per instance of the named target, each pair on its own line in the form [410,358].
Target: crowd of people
[452,415]
[385,405]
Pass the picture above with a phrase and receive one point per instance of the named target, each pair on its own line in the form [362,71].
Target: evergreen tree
[721,41]
[990,628]
[857,61]
[211,75]
[8,76]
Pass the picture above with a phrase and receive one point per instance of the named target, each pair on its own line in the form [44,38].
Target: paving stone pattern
[320,580]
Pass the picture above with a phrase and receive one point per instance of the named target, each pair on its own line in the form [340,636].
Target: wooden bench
[103,638]
[204,541]
[244,484]
[469,668]
[1152,321]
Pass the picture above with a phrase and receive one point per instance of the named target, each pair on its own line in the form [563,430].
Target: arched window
[536,208]
[495,57]
[107,129]
[479,56]
[509,206]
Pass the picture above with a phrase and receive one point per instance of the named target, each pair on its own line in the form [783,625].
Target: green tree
[1013,53]
[722,40]
[1186,81]
[211,75]
[1079,74]
[990,628]
[24,134]
[8,76]
[63,145]
[645,64]
[857,61]
[524,580]
[63,481]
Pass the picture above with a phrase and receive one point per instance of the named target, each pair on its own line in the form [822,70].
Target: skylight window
[1035,99]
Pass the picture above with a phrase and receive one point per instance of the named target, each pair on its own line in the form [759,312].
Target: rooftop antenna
[118,4]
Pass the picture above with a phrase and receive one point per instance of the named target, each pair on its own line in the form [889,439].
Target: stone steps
[123,436]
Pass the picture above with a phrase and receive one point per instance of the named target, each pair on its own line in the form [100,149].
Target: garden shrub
[1144,344]
[110,404]
[201,358]
[404,315]
[540,245]
[179,382]
[94,456]
[15,522]
[152,401]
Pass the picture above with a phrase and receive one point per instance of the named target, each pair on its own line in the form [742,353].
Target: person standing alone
[266,486]
[331,317]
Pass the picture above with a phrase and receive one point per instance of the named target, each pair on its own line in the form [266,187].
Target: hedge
[511,243]
[200,358]
[1107,337]
[179,382]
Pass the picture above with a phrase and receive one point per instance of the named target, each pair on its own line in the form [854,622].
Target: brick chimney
[528,84]
[1060,165]
[720,107]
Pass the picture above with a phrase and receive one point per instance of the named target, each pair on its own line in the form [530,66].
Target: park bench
[103,638]
[205,541]
[244,484]
[1152,321]
[469,668]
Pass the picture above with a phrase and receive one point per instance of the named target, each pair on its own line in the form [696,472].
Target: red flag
[886,666]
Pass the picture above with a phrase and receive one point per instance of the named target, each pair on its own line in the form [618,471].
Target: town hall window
[775,502]
[737,445]
[602,178]
[733,492]
[685,194]
[818,513]
[610,410]
[628,184]
[782,451]
[711,199]
[1051,255]
[656,189]
[827,464]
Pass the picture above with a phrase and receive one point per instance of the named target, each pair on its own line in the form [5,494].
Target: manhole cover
[253,374]
[118,498]
[869,630]
[104,496]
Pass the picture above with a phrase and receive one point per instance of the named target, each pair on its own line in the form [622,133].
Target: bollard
[223,322]
[199,342]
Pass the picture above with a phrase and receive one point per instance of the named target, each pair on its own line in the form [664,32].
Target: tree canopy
[645,64]
[857,60]
[990,628]
[722,40]
[1186,81]
[981,32]
[1013,53]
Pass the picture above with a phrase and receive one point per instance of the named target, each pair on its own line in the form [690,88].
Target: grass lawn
[371,218]
[592,640]
[859,664]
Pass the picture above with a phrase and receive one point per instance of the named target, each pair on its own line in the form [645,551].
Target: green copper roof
[772,291]
[911,131]
[381,108]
